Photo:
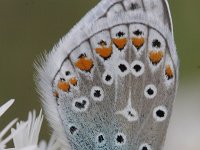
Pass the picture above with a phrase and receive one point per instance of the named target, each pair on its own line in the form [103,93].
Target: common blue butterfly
[111,81]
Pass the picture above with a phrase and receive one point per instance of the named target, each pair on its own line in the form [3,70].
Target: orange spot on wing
[64,86]
[104,52]
[73,81]
[84,64]
[138,42]
[156,57]
[120,43]
[168,71]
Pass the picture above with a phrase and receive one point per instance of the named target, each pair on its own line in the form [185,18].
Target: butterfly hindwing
[116,83]
[137,102]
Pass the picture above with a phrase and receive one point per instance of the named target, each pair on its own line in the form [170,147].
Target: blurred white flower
[6,106]
[26,134]
[52,145]
[4,141]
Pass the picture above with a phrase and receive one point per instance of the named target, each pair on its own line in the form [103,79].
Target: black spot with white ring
[137,68]
[73,129]
[150,91]
[67,73]
[107,78]
[97,93]
[80,104]
[100,140]
[145,146]
[160,113]
[120,139]
[123,68]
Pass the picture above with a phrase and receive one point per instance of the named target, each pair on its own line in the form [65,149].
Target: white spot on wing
[129,113]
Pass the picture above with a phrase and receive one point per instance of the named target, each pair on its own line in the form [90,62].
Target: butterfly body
[111,84]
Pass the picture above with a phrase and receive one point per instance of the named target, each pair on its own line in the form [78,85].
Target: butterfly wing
[111,84]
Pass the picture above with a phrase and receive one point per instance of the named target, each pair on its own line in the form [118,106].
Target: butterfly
[110,83]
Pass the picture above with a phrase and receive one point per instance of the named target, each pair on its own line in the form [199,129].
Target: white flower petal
[31,147]
[52,145]
[6,106]
[5,130]
[28,132]
[4,141]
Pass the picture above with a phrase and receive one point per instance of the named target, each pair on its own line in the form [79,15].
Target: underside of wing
[111,84]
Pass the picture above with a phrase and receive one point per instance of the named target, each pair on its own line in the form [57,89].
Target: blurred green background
[28,27]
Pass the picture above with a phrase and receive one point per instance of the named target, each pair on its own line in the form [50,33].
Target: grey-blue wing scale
[111,84]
